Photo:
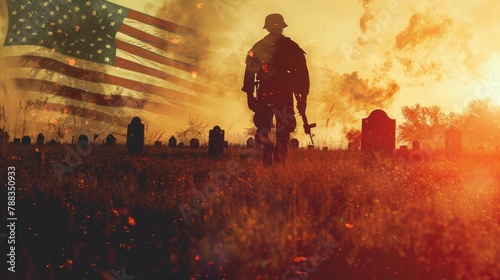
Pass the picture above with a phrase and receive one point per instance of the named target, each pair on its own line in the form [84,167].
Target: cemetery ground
[324,215]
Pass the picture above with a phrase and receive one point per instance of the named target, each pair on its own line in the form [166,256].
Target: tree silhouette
[422,123]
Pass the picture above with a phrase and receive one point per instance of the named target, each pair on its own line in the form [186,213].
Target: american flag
[102,61]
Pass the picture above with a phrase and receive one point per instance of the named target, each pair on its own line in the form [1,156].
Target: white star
[21,20]
[50,33]
[30,15]
[84,17]
[14,26]
[28,27]
[23,7]
[52,13]
[88,3]
[69,1]
[94,12]
[60,21]
[112,23]
[59,31]
[103,6]
[110,14]
[45,4]
[65,16]
[14,13]
[18,32]
[99,39]
[92,44]
[99,51]
[106,59]
[34,34]
[77,52]
[23,40]
[57,8]
[43,25]
[108,46]
[120,11]
[77,9]
[11,40]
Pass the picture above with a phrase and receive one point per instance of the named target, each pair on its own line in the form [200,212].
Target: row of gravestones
[378,135]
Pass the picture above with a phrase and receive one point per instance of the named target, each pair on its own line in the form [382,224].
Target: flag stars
[69,1]
[11,40]
[107,59]
[77,9]
[92,45]
[23,40]
[28,27]
[50,33]
[52,13]
[22,7]
[22,20]
[120,11]
[65,16]
[45,4]
[94,13]
[112,23]
[88,3]
[108,46]
[60,21]
[18,32]
[99,51]
[14,12]
[43,25]
[99,39]
[84,17]
[110,14]
[104,6]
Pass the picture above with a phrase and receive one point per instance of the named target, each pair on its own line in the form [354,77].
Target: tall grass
[435,220]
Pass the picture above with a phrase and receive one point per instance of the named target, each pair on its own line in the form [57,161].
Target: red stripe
[158,58]
[160,23]
[133,66]
[87,113]
[89,98]
[94,76]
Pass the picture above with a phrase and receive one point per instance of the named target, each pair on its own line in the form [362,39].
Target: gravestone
[135,136]
[26,140]
[325,149]
[110,140]
[416,145]
[17,140]
[158,143]
[181,145]
[52,143]
[172,142]
[215,142]
[194,143]
[40,139]
[378,134]
[453,142]
[83,140]
[294,143]
[250,143]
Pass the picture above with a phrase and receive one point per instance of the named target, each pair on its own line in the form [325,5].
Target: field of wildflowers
[175,214]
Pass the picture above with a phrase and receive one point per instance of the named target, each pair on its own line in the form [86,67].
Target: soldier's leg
[285,124]
[263,121]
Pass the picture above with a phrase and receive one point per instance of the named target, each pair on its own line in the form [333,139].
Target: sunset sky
[362,55]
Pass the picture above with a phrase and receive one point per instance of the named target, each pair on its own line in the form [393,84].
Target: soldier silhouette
[276,67]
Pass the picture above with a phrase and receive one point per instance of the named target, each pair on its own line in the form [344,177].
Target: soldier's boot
[281,150]
[263,142]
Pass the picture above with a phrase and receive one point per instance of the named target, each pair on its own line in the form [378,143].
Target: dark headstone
[378,134]
[40,139]
[26,140]
[172,142]
[310,147]
[83,140]
[294,143]
[453,142]
[52,143]
[158,143]
[17,140]
[194,143]
[135,136]
[110,140]
[215,142]
[180,145]
[250,143]
[325,149]
[416,145]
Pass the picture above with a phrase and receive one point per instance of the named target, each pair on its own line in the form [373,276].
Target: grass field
[325,215]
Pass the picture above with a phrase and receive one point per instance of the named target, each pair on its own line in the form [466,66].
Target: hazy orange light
[131,221]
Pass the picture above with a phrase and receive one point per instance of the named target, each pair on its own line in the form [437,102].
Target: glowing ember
[131,221]
[195,74]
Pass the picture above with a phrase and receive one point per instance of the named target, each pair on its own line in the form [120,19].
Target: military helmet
[275,19]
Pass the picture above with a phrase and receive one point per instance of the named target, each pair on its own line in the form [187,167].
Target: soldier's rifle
[307,126]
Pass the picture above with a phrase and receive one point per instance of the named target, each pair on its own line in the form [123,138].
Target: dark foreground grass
[325,215]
